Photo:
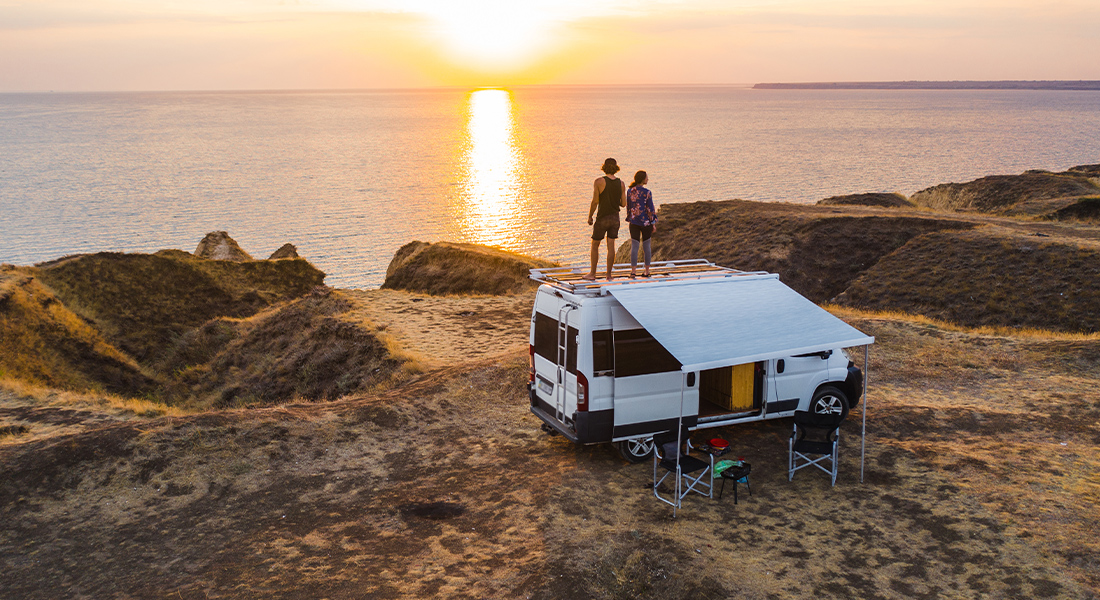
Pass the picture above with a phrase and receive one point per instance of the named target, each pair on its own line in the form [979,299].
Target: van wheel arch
[829,399]
[636,450]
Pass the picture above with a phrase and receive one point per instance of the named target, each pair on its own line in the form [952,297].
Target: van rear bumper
[587,427]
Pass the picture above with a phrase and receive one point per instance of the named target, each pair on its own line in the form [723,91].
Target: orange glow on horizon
[120,45]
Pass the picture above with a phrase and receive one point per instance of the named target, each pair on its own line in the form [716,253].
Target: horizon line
[906,83]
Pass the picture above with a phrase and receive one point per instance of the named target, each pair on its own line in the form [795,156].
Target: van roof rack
[571,279]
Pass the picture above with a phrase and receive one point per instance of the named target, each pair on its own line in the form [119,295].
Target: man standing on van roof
[608,195]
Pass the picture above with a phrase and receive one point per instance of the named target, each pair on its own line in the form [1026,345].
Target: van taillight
[582,392]
[531,366]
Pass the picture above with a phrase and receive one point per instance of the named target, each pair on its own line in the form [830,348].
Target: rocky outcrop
[456,268]
[284,251]
[217,245]
[888,200]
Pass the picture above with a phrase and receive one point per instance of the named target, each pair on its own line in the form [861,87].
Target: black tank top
[609,198]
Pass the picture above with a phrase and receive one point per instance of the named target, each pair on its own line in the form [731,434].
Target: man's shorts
[606,225]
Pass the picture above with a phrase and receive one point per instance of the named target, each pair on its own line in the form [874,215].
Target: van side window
[637,353]
[603,353]
[546,341]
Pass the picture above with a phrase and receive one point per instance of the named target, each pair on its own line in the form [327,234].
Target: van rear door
[555,384]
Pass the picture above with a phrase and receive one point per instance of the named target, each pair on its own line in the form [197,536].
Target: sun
[493,35]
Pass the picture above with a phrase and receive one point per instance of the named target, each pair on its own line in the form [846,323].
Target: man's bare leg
[610,256]
[591,276]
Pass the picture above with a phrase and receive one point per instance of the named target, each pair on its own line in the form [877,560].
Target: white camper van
[710,346]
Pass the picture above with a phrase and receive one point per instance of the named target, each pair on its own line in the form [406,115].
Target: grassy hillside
[143,302]
[989,276]
[311,348]
[1034,192]
[869,199]
[42,341]
[455,268]
[816,250]
[960,269]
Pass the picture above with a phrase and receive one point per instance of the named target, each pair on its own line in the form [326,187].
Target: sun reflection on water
[492,205]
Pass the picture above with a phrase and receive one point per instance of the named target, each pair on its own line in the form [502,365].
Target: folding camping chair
[691,474]
[814,434]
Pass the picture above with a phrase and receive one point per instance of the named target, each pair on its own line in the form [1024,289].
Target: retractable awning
[708,325]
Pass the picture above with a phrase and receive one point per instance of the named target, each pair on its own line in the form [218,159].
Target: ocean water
[349,177]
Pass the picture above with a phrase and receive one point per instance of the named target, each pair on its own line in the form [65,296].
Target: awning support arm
[863,436]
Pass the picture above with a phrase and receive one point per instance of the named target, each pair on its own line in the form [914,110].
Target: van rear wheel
[635,451]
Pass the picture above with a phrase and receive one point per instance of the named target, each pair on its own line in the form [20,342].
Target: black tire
[829,400]
[635,451]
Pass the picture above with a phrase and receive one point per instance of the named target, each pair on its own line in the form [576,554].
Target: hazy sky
[294,44]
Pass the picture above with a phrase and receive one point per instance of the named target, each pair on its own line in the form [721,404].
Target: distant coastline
[934,85]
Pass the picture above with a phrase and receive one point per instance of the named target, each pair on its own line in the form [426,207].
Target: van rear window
[603,353]
[546,341]
[637,353]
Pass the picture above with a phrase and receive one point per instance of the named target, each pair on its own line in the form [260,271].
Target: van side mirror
[780,365]
[691,379]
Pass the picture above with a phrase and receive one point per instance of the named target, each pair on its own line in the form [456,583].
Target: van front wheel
[635,451]
[829,400]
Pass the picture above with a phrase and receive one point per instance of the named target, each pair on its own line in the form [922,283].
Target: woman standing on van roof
[608,194]
[642,216]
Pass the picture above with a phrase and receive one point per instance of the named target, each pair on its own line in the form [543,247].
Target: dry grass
[999,193]
[112,404]
[991,276]
[42,341]
[971,270]
[817,250]
[455,268]
[1084,210]
[144,302]
[889,200]
[445,487]
[850,313]
[306,349]
[982,456]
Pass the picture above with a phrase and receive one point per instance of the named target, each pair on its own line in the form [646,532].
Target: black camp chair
[690,473]
[818,435]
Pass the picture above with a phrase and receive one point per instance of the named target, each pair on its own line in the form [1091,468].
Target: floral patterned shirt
[639,207]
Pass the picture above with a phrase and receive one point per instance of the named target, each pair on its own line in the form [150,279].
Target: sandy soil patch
[448,330]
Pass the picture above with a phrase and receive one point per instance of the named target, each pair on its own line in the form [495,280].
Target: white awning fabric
[707,325]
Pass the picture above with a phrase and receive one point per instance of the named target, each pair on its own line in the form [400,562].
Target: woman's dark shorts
[606,225]
[640,232]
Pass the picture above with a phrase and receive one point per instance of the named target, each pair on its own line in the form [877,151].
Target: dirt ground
[981,481]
